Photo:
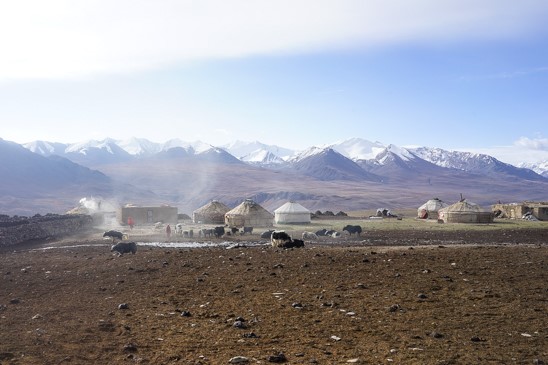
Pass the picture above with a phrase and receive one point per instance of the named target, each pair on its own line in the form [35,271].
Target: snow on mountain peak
[359,149]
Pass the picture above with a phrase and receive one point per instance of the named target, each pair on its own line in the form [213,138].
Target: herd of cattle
[277,238]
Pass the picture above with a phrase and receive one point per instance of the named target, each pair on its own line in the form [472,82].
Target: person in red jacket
[130,222]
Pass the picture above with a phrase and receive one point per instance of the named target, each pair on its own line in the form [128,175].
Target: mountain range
[355,174]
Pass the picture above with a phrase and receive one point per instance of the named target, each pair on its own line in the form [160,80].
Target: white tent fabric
[431,207]
[292,212]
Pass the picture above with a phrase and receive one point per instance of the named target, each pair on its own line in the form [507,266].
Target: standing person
[130,222]
[168,231]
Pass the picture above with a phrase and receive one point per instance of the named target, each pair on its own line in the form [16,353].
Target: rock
[435,334]
[238,360]
[130,347]
[297,305]
[239,324]
[394,308]
[15,301]
[422,296]
[186,314]
[123,306]
[278,358]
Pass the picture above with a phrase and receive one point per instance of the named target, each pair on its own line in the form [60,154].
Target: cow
[206,232]
[247,230]
[353,229]
[294,244]
[309,236]
[219,231]
[114,234]
[234,230]
[279,238]
[267,234]
[179,228]
[124,247]
[321,232]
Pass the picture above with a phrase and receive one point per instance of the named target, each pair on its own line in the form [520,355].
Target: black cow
[234,230]
[279,238]
[267,234]
[114,234]
[124,247]
[219,231]
[294,244]
[353,229]
[321,232]
[247,230]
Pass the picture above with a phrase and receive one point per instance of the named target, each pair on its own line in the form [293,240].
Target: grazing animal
[330,232]
[279,238]
[124,247]
[335,234]
[247,230]
[114,234]
[353,229]
[206,232]
[294,244]
[321,232]
[219,231]
[267,234]
[179,228]
[234,230]
[309,236]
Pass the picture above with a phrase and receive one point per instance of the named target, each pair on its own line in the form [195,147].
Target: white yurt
[291,212]
[465,212]
[430,208]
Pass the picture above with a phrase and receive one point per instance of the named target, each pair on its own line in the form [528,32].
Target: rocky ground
[405,297]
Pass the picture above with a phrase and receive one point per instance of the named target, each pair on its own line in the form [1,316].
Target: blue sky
[469,75]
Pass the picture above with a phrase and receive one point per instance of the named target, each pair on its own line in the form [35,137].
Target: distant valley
[356,174]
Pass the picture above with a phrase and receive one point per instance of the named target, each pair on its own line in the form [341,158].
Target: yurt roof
[292,207]
[249,207]
[433,204]
[462,206]
[213,207]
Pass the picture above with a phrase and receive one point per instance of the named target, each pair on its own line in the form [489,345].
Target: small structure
[430,208]
[249,214]
[147,214]
[519,210]
[291,212]
[211,213]
[464,212]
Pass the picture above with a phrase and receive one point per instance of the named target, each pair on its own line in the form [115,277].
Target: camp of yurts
[430,208]
[291,212]
[211,213]
[249,214]
[464,211]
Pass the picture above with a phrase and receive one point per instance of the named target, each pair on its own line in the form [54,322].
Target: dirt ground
[403,297]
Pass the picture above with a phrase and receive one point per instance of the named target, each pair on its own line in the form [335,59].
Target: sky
[467,75]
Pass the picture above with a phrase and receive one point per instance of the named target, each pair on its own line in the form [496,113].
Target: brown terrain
[390,296]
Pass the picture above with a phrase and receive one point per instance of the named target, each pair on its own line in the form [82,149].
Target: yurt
[249,214]
[430,208]
[465,212]
[211,213]
[291,212]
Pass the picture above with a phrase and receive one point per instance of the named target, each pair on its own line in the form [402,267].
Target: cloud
[540,144]
[80,38]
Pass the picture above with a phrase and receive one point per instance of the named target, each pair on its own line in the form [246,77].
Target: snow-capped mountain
[540,168]
[139,146]
[327,164]
[358,148]
[241,149]
[263,157]
[46,148]
[472,162]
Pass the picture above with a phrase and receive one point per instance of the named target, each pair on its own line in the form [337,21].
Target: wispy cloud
[532,143]
[507,75]
[79,38]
